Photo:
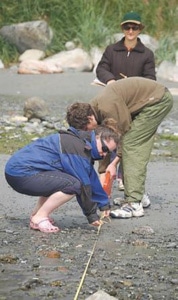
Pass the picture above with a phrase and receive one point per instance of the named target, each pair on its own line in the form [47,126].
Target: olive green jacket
[124,99]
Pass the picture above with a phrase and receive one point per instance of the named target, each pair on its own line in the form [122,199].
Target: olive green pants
[137,145]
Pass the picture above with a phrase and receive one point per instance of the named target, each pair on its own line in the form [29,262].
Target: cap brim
[131,21]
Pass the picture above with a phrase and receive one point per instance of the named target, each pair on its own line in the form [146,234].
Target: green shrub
[167,49]
[89,22]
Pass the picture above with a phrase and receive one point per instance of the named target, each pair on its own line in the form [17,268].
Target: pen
[124,76]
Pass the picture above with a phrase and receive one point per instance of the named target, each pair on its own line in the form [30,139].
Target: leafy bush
[89,22]
[167,49]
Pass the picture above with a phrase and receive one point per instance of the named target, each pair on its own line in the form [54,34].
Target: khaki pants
[137,145]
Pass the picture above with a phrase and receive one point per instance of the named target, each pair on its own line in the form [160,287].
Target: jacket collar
[82,135]
[119,46]
[89,138]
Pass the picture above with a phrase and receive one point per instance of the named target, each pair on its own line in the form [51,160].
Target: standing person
[60,166]
[126,58]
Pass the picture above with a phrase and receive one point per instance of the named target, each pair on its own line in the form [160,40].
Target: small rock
[31,283]
[101,295]
[174,281]
[56,283]
[8,259]
[139,243]
[172,245]
[145,230]
[53,254]
[35,107]
[70,45]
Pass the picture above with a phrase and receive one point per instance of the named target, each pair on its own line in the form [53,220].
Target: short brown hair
[77,115]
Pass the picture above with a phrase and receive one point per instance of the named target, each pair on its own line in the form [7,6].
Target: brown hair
[111,123]
[108,133]
[78,113]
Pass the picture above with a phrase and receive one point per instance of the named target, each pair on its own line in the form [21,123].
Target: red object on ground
[107,186]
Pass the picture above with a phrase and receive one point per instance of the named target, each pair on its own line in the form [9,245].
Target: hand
[113,170]
[112,167]
[111,81]
[97,223]
[105,214]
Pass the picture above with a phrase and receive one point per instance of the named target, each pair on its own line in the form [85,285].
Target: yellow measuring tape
[92,252]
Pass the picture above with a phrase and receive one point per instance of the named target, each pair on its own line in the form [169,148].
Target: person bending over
[138,105]
[60,166]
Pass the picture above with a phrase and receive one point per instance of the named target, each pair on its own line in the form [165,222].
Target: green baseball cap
[132,17]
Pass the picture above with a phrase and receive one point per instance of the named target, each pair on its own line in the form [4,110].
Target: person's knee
[73,188]
[77,187]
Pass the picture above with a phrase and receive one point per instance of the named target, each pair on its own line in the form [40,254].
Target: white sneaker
[146,201]
[120,185]
[128,210]
[119,201]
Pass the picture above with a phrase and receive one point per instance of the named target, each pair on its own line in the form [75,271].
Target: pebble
[52,124]
[172,245]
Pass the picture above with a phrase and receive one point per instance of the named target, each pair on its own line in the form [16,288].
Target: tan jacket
[125,98]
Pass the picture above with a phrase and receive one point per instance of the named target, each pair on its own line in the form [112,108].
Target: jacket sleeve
[88,207]
[90,185]
[93,197]
[104,66]
[149,66]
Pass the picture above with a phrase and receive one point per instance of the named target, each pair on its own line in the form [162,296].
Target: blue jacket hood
[94,151]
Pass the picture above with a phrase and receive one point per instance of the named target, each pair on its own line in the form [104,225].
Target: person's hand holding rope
[104,218]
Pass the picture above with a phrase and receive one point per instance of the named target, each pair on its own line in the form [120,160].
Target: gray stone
[28,35]
[70,45]
[144,230]
[35,107]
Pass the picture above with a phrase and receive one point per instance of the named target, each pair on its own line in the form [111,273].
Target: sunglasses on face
[133,27]
[104,147]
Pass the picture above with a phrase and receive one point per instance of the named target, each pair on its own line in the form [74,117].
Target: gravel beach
[133,259]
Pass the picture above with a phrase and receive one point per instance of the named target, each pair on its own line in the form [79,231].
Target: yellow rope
[87,265]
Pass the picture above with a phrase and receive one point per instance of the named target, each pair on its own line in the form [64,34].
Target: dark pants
[45,184]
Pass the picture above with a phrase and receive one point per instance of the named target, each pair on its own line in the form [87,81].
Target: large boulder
[168,71]
[33,54]
[75,60]
[95,54]
[28,35]
[34,67]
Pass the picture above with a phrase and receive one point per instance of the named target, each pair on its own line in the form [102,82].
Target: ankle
[38,217]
